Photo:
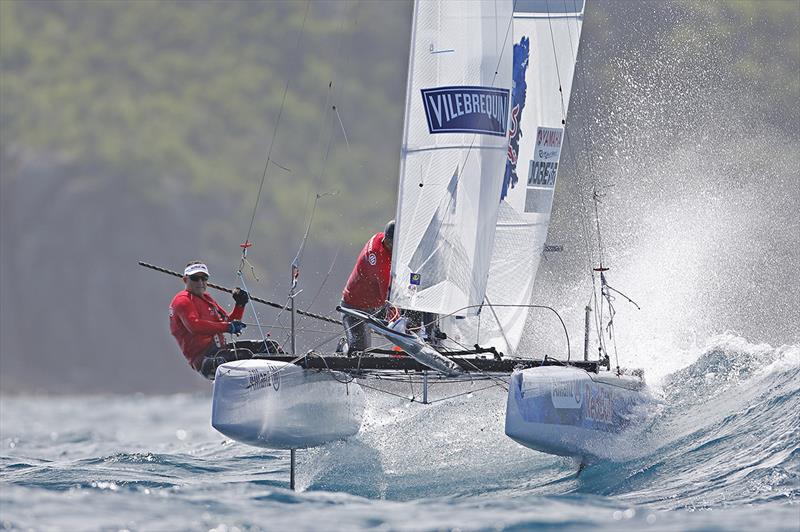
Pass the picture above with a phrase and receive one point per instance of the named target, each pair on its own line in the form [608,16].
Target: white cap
[195,268]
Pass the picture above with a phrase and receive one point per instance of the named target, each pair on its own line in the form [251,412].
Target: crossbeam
[398,361]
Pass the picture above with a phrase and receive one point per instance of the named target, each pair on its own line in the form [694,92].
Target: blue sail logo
[518,93]
[466,109]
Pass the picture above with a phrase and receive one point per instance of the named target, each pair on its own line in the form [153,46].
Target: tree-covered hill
[140,130]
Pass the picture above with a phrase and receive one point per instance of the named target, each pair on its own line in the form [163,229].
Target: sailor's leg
[365,335]
[357,334]
[415,321]
[239,351]
[258,346]
[208,368]
[429,321]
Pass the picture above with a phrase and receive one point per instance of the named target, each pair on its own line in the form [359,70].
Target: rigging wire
[328,107]
[244,261]
[341,124]
[575,81]
[563,325]
[555,61]
[598,304]
[468,392]
[322,284]
[297,259]
[597,200]
[275,130]
[499,323]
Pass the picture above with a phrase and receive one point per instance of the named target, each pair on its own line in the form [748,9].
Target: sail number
[542,173]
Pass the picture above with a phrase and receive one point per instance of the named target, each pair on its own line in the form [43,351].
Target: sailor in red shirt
[198,322]
[368,286]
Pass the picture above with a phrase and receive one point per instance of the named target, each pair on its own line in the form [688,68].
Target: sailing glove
[241,297]
[236,326]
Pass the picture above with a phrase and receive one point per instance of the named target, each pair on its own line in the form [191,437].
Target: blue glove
[235,327]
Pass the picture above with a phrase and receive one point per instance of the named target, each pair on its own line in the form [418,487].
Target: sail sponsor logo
[598,404]
[543,169]
[566,394]
[416,279]
[547,152]
[258,380]
[466,109]
[519,89]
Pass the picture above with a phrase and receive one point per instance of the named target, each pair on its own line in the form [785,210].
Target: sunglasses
[198,277]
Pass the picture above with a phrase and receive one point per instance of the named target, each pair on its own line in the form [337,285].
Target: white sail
[454,144]
[546,37]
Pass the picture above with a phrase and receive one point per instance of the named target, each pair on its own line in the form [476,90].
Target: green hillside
[188,94]
[140,130]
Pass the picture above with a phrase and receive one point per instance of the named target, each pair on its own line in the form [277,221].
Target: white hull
[569,412]
[278,405]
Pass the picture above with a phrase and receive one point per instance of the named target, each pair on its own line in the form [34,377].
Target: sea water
[721,451]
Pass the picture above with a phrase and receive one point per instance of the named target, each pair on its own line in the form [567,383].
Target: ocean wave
[722,437]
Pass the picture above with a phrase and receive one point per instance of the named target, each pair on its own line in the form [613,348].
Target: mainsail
[546,37]
[454,145]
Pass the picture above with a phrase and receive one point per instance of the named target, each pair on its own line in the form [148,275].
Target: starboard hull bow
[567,411]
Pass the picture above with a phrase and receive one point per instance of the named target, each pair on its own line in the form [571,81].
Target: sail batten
[455,146]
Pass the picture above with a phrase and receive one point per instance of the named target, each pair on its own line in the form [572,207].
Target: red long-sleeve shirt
[368,284]
[197,323]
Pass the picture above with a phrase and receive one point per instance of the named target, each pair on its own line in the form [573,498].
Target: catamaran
[488,91]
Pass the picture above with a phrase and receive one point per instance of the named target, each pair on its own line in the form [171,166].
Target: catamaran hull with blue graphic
[567,411]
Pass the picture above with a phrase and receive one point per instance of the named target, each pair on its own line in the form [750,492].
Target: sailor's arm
[190,319]
[236,313]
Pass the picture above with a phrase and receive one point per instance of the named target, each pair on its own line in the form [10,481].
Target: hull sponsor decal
[259,380]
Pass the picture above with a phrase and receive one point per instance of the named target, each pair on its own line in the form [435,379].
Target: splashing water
[724,440]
